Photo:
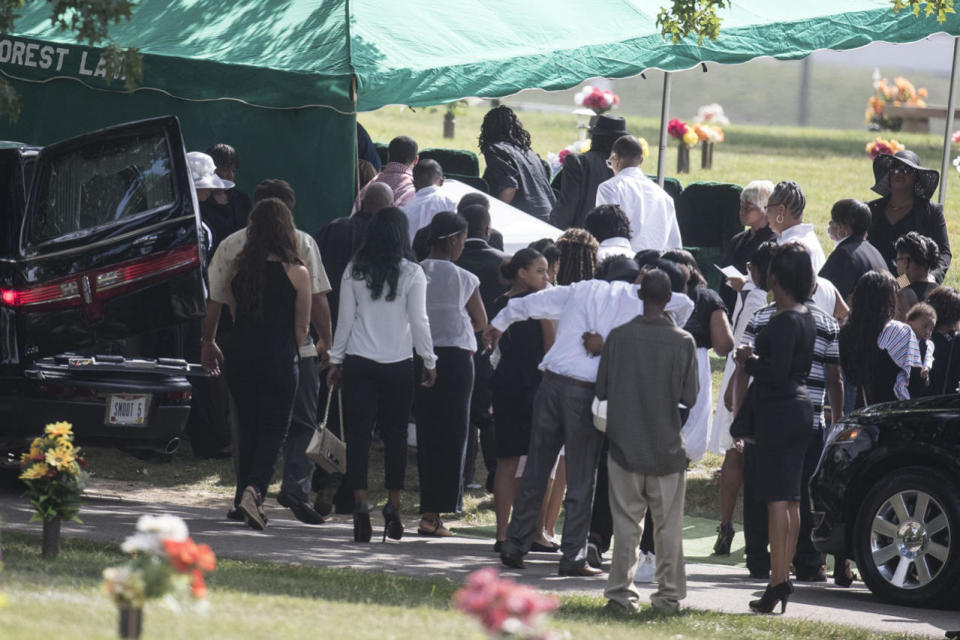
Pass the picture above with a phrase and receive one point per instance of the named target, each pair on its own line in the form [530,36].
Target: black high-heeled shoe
[392,527]
[361,526]
[771,596]
[725,535]
[843,575]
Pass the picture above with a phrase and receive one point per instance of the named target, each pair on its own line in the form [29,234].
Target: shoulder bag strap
[340,407]
[326,410]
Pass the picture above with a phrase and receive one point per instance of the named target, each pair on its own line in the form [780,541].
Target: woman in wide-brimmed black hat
[905,188]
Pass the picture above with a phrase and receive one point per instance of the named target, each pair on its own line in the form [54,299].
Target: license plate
[125,409]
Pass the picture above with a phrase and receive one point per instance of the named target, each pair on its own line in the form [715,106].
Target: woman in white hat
[219,216]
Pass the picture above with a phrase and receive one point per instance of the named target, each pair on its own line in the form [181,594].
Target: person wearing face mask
[905,188]
[853,255]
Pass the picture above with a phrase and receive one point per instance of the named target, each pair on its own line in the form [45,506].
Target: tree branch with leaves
[940,8]
[691,17]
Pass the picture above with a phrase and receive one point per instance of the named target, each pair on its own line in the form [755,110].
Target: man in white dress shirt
[562,410]
[653,219]
[429,199]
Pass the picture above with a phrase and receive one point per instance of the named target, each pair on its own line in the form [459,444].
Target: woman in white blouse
[456,314]
[785,213]
[382,319]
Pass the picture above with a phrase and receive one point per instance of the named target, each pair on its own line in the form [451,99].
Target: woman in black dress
[753,216]
[781,410]
[516,378]
[917,255]
[905,188]
[879,354]
[271,291]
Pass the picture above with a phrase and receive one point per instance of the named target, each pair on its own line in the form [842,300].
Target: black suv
[887,493]
[100,264]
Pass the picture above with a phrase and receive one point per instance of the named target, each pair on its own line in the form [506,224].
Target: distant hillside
[763,91]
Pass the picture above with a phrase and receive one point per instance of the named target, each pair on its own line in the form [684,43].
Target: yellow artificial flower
[59,429]
[690,138]
[64,443]
[59,458]
[35,447]
[35,472]
[644,147]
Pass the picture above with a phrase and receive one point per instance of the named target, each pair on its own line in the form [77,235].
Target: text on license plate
[127,409]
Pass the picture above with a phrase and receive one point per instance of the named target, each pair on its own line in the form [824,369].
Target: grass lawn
[257,600]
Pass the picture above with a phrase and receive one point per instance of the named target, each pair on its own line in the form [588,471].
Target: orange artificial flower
[206,560]
[183,554]
[197,585]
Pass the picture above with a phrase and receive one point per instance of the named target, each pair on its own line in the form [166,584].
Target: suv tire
[907,539]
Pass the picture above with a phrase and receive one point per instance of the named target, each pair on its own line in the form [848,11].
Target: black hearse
[99,264]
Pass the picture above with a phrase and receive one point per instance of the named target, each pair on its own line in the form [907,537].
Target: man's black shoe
[301,510]
[514,561]
[583,571]
[812,576]
[235,514]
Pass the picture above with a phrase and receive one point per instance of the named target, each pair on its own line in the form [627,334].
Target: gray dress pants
[561,416]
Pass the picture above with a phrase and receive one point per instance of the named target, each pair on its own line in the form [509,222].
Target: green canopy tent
[282,80]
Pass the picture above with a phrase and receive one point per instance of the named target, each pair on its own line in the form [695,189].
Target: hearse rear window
[101,184]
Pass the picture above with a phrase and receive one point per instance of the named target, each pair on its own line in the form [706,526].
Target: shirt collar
[661,320]
[633,172]
[797,231]
[477,241]
[397,167]
[426,191]
[620,243]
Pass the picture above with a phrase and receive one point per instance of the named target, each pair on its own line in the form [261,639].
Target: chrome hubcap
[910,539]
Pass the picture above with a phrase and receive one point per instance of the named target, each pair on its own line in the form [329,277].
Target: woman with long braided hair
[578,256]
[514,172]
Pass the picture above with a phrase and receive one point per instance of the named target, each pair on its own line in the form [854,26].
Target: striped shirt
[899,340]
[826,351]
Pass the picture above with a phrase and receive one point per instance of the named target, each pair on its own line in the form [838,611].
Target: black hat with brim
[608,125]
[927,179]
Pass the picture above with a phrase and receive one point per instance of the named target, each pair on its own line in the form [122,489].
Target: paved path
[710,587]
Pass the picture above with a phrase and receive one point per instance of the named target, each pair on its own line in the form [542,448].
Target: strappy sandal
[434,528]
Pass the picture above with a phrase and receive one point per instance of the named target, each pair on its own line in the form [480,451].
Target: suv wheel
[907,539]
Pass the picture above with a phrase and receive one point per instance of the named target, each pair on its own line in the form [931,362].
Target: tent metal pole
[951,101]
[664,114]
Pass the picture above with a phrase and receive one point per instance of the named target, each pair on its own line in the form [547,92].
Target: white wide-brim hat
[204,172]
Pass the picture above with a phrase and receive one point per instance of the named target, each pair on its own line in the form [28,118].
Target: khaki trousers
[631,494]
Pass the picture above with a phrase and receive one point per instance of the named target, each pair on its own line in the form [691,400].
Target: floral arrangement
[900,92]
[708,133]
[165,562]
[711,114]
[680,130]
[505,608]
[597,99]
[53,471]
[880,145]
[556,159]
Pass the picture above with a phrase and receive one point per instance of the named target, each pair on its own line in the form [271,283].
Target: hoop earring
[780,219]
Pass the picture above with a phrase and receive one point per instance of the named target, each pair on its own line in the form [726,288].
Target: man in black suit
[421,241]
[482,260]
[853,255]
[583,172]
